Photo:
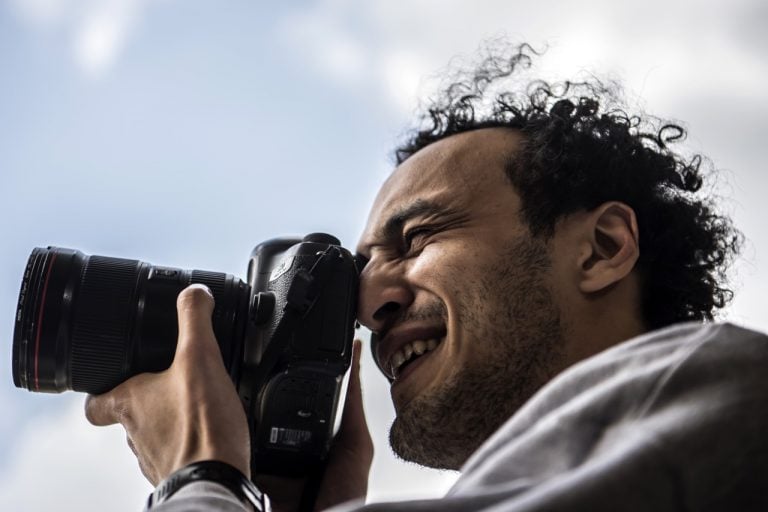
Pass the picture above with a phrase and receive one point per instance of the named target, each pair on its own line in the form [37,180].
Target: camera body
[297,349]
[88,323]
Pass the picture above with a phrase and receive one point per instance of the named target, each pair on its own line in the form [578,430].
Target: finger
[100,410]
[349,462]
[195,306]
[114,406]
[353,422]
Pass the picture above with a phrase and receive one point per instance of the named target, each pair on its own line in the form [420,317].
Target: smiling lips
[409,352]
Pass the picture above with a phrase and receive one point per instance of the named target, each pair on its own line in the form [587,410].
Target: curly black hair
[582,149]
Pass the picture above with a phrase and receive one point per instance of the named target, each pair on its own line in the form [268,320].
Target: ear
[611,247]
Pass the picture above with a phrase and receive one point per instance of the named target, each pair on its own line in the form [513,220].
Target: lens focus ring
[101,324]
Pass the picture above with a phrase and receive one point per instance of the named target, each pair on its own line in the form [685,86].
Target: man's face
[459,294]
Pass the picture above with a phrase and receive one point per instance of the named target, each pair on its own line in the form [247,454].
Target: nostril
[386,311]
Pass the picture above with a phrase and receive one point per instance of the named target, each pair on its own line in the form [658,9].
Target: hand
[349,462]
[346,475]
[187,413]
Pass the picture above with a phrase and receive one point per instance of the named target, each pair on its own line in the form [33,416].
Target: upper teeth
[417,347]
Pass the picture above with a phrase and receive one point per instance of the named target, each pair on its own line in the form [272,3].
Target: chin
[422,434]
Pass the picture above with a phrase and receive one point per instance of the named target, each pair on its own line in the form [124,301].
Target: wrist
[211,471]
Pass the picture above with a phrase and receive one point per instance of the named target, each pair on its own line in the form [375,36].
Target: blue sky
[183,133]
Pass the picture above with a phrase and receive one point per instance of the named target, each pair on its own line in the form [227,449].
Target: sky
[184,133]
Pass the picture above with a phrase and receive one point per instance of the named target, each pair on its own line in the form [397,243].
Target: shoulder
[681,412]
[691,357]
[686,366]
[669,359]
[688,337]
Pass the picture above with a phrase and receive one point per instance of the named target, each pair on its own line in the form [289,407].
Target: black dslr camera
[88,323]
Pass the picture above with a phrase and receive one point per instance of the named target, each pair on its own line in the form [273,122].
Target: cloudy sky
[183,133]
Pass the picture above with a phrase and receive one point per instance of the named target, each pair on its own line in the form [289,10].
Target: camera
[88,323]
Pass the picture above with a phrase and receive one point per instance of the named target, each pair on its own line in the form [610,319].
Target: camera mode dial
[321,238]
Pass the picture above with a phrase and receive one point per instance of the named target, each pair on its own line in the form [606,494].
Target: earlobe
[611,248]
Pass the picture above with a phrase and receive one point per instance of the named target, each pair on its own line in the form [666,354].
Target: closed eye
[413,238]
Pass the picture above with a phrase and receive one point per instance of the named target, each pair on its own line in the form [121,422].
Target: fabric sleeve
[203,496]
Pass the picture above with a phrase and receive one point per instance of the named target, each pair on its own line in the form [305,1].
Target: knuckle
[368,451]
[107,409]
[123,414]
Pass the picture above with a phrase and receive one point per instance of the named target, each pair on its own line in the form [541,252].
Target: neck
[600,322]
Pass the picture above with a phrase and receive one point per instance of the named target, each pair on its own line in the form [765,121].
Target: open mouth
[410,353]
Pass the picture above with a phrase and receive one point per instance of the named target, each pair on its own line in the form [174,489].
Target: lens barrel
[88,323]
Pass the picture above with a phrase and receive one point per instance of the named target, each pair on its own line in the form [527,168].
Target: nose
[384,295]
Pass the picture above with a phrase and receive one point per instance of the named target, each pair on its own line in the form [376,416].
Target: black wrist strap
[211,471]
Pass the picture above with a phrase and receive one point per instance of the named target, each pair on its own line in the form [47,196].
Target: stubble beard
[512,310]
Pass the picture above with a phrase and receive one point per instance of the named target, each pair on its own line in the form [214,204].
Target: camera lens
[88,323]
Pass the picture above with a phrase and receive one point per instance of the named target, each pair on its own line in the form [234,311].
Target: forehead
[460,172]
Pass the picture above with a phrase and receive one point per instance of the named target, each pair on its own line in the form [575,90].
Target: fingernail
[203,287]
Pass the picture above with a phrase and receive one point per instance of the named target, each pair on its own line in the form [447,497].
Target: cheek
[443,263]
[455,274]
[451,272]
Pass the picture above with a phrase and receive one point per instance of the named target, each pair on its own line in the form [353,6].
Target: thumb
[346,474]
[353,426]
[194,306]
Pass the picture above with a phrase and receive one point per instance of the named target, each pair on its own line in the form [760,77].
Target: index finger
[101,410]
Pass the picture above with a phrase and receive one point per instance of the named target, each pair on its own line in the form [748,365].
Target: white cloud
[103,32]
[98,30]
[661,48]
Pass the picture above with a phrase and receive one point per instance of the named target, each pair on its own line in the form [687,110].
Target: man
[513,252]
